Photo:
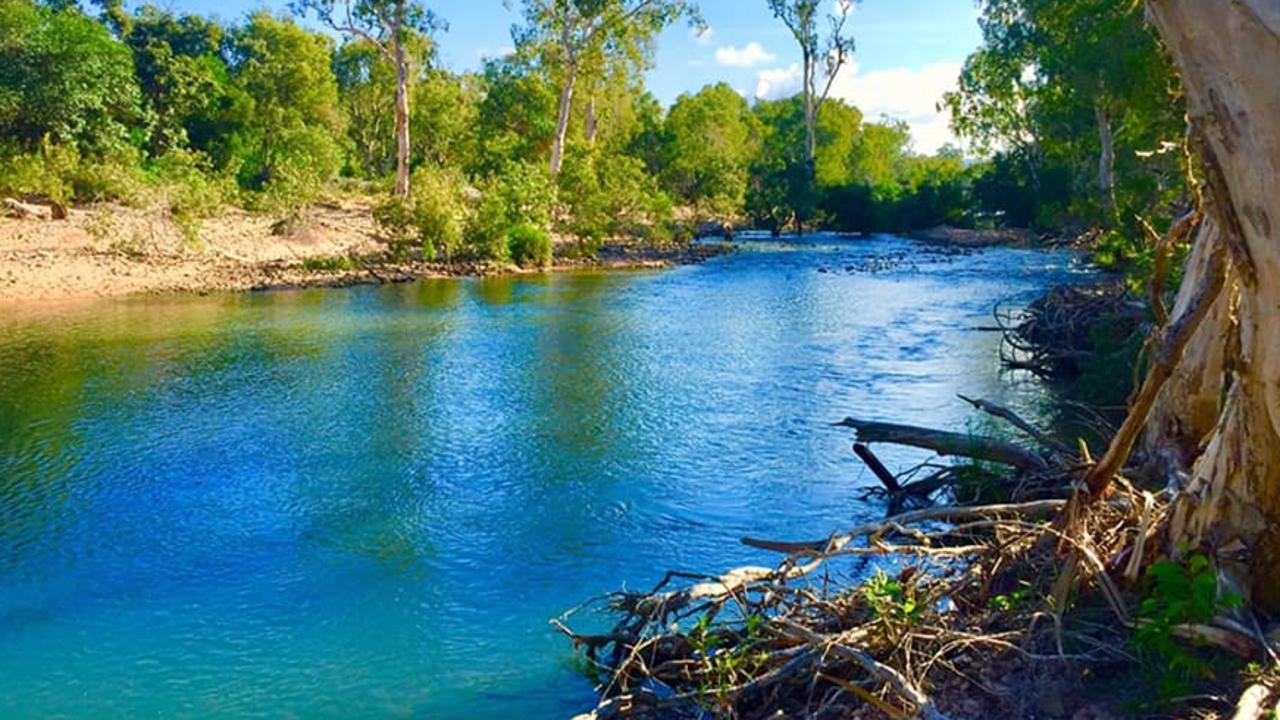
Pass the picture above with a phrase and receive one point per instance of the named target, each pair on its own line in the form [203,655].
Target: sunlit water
[368,502]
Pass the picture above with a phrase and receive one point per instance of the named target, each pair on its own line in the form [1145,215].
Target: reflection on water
[366,502]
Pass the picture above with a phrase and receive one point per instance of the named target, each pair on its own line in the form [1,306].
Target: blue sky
[908,51]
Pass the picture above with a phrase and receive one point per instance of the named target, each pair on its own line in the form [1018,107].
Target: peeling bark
[1228,53]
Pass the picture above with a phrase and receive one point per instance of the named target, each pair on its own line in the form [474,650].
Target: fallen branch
[976,447]
[877,468]
[1014,419]
[21,210]
[1250,705]
[1173,341]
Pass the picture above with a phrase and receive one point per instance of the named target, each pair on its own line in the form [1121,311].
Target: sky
[908,52]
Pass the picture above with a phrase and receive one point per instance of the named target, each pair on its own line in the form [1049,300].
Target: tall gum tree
[571,34]
[394,27]
[1228,383]
[827,53]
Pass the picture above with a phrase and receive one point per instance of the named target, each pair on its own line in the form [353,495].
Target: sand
[111,250]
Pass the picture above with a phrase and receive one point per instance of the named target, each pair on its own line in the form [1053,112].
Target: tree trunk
[810,112]
[562,119]
[589,131]
[402,123]
[1228,53]
[1106,157]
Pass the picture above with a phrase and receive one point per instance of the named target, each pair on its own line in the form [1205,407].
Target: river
[368,502]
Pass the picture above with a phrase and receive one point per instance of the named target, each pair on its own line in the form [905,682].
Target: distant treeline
[100,104]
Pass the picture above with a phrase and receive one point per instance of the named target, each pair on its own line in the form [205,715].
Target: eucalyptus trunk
[1219,415]
[1106,157]
[402,123]
[562,119]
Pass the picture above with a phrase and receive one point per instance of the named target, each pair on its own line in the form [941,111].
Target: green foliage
[296,119]
[727,659]
[329,263]
[298,166]
[529,245]
[890,600]
[608,195]
[520,193]
[64,78]
[1054,79]
[1011,601]
[516,118]
[191,189]
[1178,594]
[711,139]
[61,174]
[432,217]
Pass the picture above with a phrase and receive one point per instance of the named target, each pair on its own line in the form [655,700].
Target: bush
[298,169]
[190,189]
[329,263]
[529,246]
[431,217]
[610,195]
[60,174]
[520,193]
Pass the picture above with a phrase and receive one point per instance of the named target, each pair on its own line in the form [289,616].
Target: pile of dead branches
[1003,609]
[1055,335]
[792,641]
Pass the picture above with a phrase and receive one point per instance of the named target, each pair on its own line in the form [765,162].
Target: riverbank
[112,250]
[944,234]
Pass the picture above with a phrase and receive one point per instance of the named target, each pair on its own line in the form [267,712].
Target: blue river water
[368,502]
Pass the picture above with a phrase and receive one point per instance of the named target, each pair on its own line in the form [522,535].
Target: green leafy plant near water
[724,664]
[1178,594]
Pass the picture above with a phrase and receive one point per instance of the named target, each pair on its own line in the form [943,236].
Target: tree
[392,26]
[711,139]
[829,53]
[65,79]
[1225,328]
[572,35]
[185,84]
[1080,85]
[296,119]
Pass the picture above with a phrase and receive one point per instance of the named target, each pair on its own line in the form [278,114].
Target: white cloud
[900,93]
[750,56]
[777,83]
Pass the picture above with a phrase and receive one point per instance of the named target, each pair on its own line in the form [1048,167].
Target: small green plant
[727,659]
[890,600]
[529,245]
[1178,594]
[1013,600]
[329,263]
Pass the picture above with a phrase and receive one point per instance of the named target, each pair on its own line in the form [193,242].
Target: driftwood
[1016,420]
[946,443]
[1170,345]
[21,210]
[1250,705]
[877,468]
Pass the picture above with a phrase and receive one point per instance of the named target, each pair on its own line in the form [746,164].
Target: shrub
[60,174]
[298,168]
[329,263]
[529,245]
[432,216]
[520,193]
[609,195]
[189,189]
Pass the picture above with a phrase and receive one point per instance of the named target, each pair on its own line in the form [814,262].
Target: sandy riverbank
[112,250]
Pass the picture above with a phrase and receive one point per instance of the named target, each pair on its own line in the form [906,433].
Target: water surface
[368,502]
